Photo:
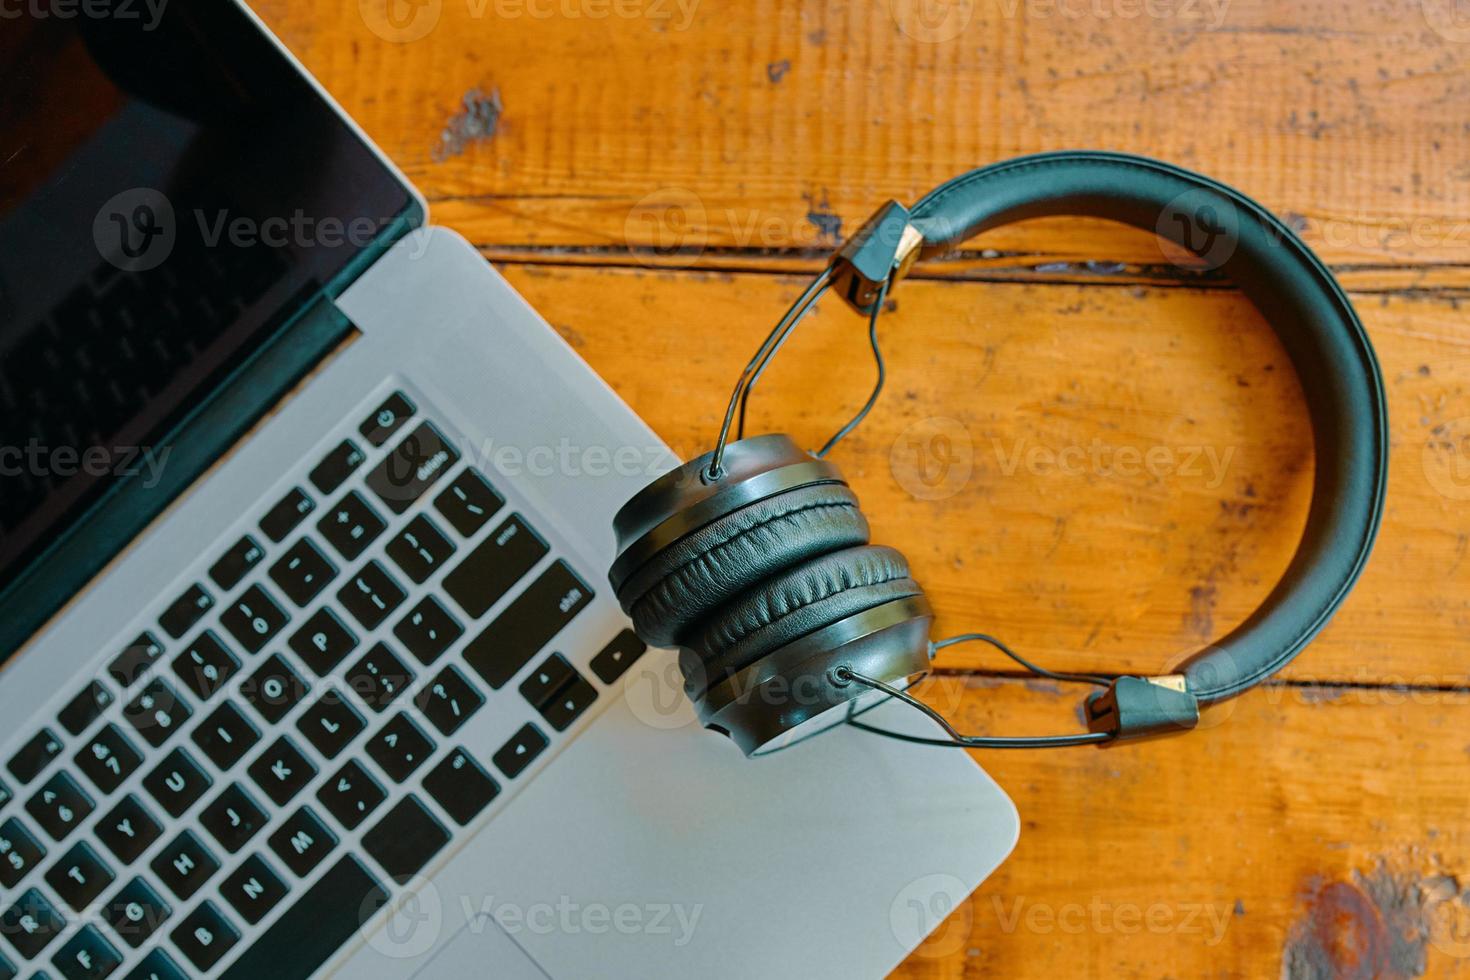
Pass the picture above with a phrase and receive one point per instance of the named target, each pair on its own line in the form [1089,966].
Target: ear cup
[796,602]
[688,581]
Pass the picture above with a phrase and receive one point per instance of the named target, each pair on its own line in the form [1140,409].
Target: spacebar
[322,919]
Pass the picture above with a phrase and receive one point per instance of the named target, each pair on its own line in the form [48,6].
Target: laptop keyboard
[265,764]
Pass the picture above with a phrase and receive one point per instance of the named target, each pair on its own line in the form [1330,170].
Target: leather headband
[1310,313]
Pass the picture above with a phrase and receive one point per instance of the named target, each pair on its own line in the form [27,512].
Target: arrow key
[524,746]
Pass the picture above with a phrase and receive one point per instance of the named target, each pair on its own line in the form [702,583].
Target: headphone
[755,561]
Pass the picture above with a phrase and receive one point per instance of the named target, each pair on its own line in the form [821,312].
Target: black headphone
[754,558]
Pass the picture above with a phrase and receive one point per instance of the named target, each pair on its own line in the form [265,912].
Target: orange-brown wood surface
[1089,446]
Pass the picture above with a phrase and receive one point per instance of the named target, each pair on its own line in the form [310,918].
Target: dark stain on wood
[777,70]
[1373,926]
[822,218]
[478,119]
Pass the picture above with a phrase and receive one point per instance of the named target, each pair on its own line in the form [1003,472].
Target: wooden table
[659,178]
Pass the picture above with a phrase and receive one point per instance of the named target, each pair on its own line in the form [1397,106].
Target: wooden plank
[772,126]
[1106,478]
[1306,833]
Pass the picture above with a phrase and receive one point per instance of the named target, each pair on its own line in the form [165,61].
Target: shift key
[489,571]
[528,624]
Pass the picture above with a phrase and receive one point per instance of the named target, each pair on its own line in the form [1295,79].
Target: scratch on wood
[477,119]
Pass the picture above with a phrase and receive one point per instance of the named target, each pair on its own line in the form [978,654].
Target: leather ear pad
[799,601]
[690,579]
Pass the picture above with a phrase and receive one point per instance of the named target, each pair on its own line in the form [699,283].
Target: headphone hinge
[1137,707]
[882,250]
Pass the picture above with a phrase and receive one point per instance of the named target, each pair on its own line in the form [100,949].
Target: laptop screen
[171,188]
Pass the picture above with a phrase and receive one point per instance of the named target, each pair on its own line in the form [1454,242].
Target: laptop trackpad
[480,943]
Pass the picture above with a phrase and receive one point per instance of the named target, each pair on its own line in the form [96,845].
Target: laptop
[310,666]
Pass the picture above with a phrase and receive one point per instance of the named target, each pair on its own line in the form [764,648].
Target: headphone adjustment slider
[882,250]
[1136,707]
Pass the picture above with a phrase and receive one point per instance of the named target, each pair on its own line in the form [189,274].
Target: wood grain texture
[1090,446]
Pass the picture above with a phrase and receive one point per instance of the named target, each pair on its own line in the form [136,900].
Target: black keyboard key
[79,876]
[449,701]
[184,865]
[615,658]
[236,563]
[330,723]
[157,965]
[226,735]
[274,689]
[205,935]
[406,839]
[128,830]
[351,526]
[109,758]
[7,969]
[569,703]
[5,795]
[177,782]
[525,626]
[400,747]
[460,786]
[87,956]
[428,630]
[379,427]
[411,467]
[282,519]
[128,666]
[488,572]
[31,923]
[254,618]
[379,677]
[281,771]
[253,889]
[206,665]
[19,852]
[468,502]
[233,817]
[420,549]
[524,746]
[371,595]
[136,912]
[551,676]
[59,805]
[351,795]
[337,466]
[157,711]
[34,756]
[327,914]
[302,841]
[302,572]
[185,611]
[85,708]
[322,641]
